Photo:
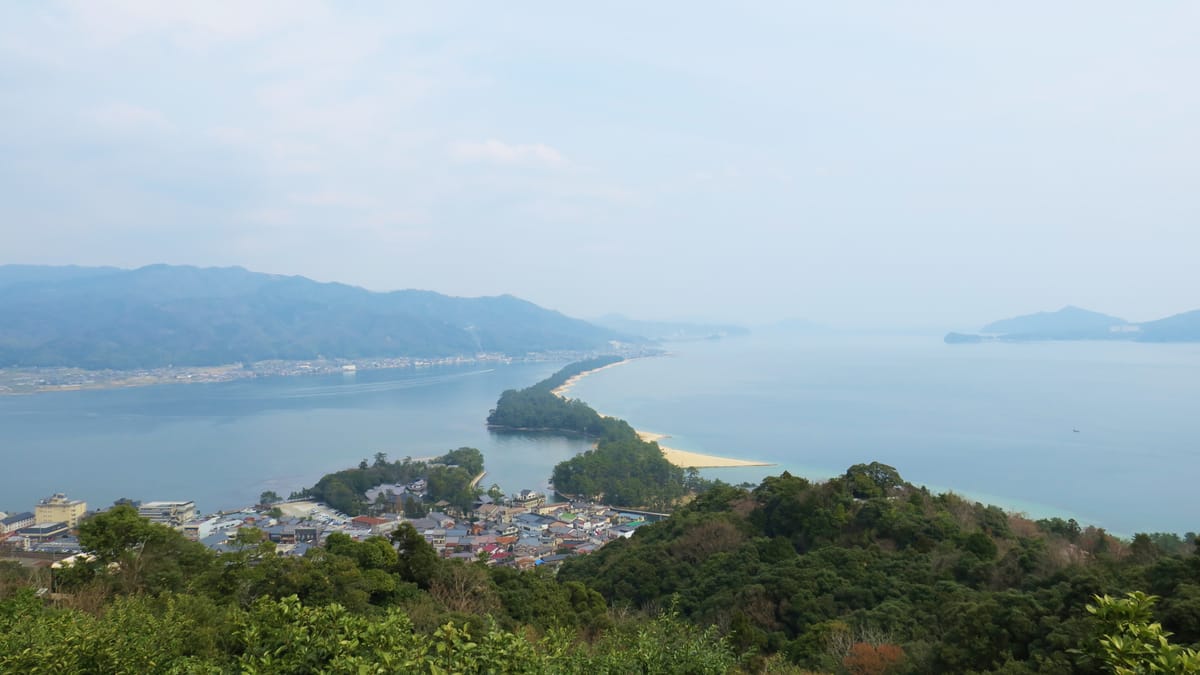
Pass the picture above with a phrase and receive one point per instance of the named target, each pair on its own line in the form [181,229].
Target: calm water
[223,444]
[994,422]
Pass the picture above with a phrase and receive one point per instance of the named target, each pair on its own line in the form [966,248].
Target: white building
[174,514]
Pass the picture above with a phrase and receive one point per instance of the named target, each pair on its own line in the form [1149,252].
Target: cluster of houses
[521,531]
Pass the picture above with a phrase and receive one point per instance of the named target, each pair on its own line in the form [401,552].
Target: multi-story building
[58,509]
[174,514]
[16,522]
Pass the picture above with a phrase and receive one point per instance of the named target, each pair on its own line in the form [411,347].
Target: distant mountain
[21,274]
[1178,328]
[162,315]
[1073,323]
[1065,324]
[668,330]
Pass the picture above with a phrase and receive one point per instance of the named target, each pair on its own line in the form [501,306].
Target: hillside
[186,316]
[1066,322]
[1183,327]
[935,583]
[1073,323]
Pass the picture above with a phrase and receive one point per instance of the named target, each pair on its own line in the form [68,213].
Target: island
[1074,323]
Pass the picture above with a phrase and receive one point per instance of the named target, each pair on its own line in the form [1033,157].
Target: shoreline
[562,389]
[696,460]
[685,459]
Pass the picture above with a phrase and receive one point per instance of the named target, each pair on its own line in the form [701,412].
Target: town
[522,530]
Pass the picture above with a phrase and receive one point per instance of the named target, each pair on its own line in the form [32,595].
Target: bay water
[1105,432]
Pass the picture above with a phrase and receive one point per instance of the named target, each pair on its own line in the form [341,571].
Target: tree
[1133,644]
[142,555]
[416,561]
[269,497]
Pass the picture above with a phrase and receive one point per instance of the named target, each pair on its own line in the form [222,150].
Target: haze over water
[993,421]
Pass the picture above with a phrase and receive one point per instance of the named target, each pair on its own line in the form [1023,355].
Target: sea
[1107,433]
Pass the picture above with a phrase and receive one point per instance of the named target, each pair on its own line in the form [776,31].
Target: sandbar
[680,458]
[697,460]
[562,389]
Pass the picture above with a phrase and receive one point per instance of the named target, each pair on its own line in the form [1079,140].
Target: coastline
[696,460]
[685,459]
[562,389]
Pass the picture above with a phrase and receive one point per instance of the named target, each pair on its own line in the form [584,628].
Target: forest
[913,581]
[538,408]
[862,574]
[622,470]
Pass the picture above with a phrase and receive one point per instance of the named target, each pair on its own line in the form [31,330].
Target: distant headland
[1074,323]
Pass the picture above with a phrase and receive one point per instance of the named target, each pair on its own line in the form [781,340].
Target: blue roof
[16,518]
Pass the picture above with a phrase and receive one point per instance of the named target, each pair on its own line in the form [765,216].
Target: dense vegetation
[447,478]
[538,408]
[162,315]
[152,602]
[863,574]
[928,583]
[622,470]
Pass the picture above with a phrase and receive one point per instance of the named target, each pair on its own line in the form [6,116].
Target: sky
[935,164]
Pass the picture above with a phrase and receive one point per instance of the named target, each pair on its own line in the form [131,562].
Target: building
[528,499]
[44,532]
[16,522]
[58,509]
[174,514]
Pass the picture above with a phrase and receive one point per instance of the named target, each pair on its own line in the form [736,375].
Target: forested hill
[868,568]
[186,316]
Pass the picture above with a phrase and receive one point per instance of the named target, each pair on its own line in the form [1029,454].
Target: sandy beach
[562,389]
[681,458]
[696,460]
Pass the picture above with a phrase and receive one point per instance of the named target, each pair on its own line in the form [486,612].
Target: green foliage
[448,477]
[1133,643]
[628,472]
[959,587]
[537,408]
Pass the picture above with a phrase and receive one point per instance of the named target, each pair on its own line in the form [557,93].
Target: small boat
[1075,430]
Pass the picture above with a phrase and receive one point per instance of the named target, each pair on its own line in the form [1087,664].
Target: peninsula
[546,407]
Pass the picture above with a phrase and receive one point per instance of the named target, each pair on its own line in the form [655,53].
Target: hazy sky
[932,164]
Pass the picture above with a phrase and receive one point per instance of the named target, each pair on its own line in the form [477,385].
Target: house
[528,499]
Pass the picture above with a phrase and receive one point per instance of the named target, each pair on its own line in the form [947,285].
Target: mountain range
[1074,323]
[159,315]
